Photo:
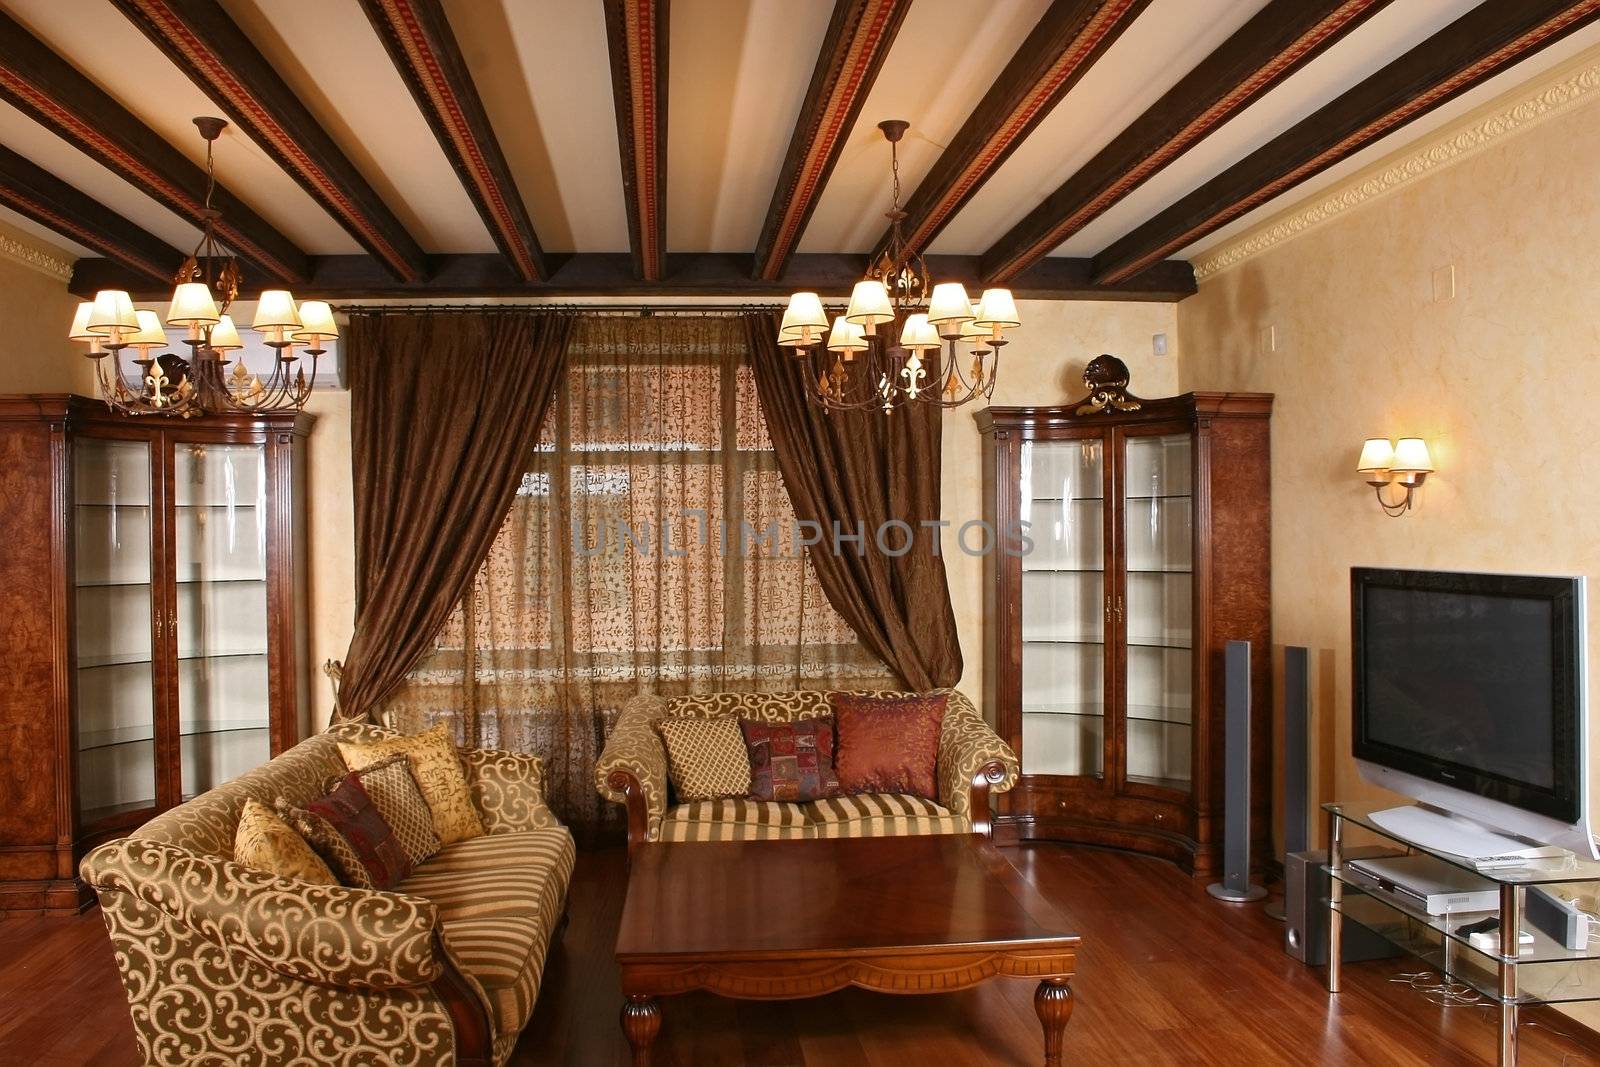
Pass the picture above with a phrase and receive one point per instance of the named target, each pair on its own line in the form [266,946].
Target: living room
[797,532]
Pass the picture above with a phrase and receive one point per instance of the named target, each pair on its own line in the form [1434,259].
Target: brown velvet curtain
[445,409]
[853,472]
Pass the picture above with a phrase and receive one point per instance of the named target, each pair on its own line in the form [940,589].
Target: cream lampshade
[150,334]
[869,305]
[225,335]
[972,333]
[847,338]
[1377,456]
[1411,456]
[997,310]
[80,324]
[192,305]
[276,311]
[949,308]
[918,334]
[803,320]
[112,315]
[316,323]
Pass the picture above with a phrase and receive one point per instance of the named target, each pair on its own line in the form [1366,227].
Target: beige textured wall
[36,309]
[330,521]
[1043,365]
[1502,381]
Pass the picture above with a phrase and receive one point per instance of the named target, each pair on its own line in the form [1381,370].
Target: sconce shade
[949,305]
[847,336]
[112,314]
[1377,455]
[869,304]
[192,305]
[804,314]
[225,335]
[276,310]
[150,334]
[997,308]
[919,334]
[80,323]
[1411,456]
[316,322]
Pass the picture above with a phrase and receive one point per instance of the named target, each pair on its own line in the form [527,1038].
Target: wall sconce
[1405,463]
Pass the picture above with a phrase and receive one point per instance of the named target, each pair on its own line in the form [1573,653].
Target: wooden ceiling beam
[52,92]
[1069,38]
[30,190]
[208,46]
[425,52]
[687,274]
[1276,42]
[636,37]
[1480,44]
[852,53]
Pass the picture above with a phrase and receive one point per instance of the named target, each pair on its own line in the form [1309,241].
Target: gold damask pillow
[437,769]
[395,794]
[266,843]
[706,758]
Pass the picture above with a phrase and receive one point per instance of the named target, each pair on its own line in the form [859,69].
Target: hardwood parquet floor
[1167,976]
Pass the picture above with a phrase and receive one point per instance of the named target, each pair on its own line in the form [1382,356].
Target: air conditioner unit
[258,358]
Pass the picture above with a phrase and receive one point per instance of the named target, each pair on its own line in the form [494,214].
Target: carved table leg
[1053,1001]
[641,1021]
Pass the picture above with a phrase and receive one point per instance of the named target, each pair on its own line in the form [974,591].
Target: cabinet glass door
[1063,608]
[1158,538]
[114,598]
[220,567]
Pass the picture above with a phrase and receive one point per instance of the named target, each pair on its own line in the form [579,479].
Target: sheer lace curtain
[651,547]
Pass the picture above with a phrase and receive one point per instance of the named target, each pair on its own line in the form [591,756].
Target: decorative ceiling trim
[1475,47]
[1517,112]
[30,255]
[35,193]
[636,32]
[424,49]
[200,38]
[53,93]
[858,38]
[1254,60]
[1067,41]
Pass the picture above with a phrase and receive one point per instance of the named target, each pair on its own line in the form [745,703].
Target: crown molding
[43,260]
[1557,92]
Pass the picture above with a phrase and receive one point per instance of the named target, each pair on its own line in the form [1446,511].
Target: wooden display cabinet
[1105,636]
[153,596]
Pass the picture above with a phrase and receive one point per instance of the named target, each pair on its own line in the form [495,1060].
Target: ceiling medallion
[935,346]
[204,289]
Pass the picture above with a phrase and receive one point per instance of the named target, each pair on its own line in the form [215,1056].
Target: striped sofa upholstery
[632,770]
[225,964]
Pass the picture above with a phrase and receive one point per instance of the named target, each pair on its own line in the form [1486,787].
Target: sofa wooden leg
[641,1021]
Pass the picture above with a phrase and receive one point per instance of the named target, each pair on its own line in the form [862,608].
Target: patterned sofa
[225,964]
[632,770]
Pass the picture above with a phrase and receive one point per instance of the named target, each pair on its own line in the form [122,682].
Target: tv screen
[1471,680]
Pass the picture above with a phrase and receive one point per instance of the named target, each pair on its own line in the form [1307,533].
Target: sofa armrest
[632,769]
[973,762]
[507,789]
[327,934]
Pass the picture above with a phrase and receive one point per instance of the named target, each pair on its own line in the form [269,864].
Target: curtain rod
[610,309]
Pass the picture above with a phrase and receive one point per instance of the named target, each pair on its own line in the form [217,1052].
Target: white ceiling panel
[945,57]
[43,234]
[739,73]
[1384,37]
[1421,129]
[543,71]
[106,47]
[333,59]
[1161,46]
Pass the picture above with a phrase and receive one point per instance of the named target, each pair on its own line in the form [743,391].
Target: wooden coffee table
[780,920]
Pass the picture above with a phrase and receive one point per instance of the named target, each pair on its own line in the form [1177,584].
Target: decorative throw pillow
[395,793]
[438,772]
[347,830]
[889,744]
[706,758]
[268,844]
[791,760]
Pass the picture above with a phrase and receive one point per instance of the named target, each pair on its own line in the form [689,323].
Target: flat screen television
[1468,695]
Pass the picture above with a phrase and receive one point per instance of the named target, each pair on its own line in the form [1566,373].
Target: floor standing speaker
[1296,760]
[1235,886]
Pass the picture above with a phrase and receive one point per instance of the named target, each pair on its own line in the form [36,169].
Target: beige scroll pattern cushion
[270,845]
[706,758]
[437,768]
[398,798]
[507,790]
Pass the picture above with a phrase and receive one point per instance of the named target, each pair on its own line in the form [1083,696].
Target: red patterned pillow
[791,760]
[351,812]
[889,744]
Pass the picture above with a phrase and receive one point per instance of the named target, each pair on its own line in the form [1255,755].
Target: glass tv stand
[1549,974]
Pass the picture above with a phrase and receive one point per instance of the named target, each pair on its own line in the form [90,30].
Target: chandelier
[902,339]
[204,289]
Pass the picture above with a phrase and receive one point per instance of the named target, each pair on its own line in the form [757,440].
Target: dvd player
[1425,884]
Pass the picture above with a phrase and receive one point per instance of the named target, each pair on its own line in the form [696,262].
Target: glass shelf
[90,816]
[90,740]
[259,580]
[1535,872]
[1101,570]
[1181,785]
[1171,716]
[128,659]
[1133,640]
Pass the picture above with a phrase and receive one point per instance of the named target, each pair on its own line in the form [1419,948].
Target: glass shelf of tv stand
[1535,872]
